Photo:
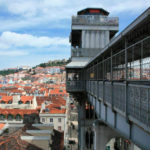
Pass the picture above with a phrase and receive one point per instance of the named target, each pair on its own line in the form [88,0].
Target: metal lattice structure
[117,82]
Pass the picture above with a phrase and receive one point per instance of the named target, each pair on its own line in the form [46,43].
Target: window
[10,117]
[59,119]
[18,117]
[20,102]
[2,102]
[27,102]
[59,128]
[43,119]
[51,119]
[2,117]
[9,102]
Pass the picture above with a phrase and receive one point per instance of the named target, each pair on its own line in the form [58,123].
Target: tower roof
[93,11]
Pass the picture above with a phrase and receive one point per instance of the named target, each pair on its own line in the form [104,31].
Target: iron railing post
[126,79]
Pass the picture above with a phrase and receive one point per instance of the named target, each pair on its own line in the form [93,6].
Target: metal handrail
[95,20]
[134,102]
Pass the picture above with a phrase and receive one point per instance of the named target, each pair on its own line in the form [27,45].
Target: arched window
[18,117]
[27,102]
[20,102]
[10,102]
[26,119]
[10,117]
[2,102]
[2,117]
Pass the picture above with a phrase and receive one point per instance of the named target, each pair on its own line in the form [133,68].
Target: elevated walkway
[116,82]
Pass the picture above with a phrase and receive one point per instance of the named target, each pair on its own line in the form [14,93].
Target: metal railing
[108,92]
[100,90]
[94,20]
[130,63]
[84,52]
[119,92]
[139,103]
[131,99]
[75,86]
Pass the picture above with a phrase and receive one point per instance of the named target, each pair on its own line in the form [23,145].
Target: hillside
[62,62]
[53,63]
[8,71]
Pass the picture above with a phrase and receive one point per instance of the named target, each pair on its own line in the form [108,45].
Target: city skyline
[36,31]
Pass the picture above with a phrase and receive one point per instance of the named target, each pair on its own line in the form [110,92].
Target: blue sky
[36,31]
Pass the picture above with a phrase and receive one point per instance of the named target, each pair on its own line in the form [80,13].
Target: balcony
[74,80]
[75,86]
[84,52]
[95,20]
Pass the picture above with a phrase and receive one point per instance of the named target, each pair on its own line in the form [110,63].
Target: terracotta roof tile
[55,109]
[13,141]
[26,98]
[3,94]
[21,112]
[7,98]
[2,126]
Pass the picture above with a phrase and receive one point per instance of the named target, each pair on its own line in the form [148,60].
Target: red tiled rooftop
[58,91]
[27,87]
[16,91]
[26,98]
[41,99]
[7,98]
[55,109]
[59,100]
[21,112]
[3,94]
[10,98]
[13,141]
[2,126]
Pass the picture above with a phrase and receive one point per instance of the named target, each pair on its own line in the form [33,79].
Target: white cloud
[25,8]
[34,8]
[129,6]
[13,53]
[38,12]
[12,39]
[66,7]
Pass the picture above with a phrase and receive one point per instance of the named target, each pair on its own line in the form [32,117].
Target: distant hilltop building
[11,69]
[59,60]
[24,67]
